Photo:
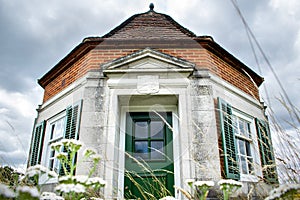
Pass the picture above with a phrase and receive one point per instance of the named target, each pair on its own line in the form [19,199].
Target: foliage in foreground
[87,187]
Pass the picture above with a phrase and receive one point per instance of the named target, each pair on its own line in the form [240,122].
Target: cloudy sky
[36,34]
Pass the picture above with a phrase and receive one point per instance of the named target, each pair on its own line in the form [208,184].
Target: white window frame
[252,141]
[47,149]
[53,140]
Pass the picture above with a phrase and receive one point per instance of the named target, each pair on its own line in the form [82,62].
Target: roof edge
[208,43]
[85,46]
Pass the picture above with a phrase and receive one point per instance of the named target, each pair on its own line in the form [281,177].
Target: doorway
[149,167]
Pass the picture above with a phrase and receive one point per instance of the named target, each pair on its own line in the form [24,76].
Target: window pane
[248,150]
[157,150]
[141,129]
[234,124]
[52,131]
[241,127]
[249,130]
[141,149]
[58,128]
[242,147]
[244,165]
[157,129]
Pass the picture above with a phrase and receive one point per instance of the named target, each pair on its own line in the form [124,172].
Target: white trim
[253,145]
[229,87]
[46,148]
[146,70]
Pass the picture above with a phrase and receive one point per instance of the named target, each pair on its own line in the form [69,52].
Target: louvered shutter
[231,165]
[72,127]
[266,152]
[37,144]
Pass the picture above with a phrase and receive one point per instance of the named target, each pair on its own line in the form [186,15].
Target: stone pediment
[148,61]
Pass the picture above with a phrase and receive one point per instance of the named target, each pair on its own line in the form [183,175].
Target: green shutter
[72,121]
[37,144]
[68,125]
[72,127]
[266,152]
[231,165]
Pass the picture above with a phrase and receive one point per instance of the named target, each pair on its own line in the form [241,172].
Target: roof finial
[151,6]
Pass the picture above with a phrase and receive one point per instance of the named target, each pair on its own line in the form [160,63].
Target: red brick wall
[201,57]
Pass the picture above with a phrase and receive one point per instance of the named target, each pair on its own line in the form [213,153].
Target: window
[56,133]
[242,132]
[237,134]
[149,139]
[64,125]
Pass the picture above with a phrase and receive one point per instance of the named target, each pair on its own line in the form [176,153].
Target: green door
[149,165]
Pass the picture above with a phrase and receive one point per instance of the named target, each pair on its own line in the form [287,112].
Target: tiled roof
[150,25]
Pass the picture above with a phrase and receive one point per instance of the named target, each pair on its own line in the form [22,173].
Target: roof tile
[150,25]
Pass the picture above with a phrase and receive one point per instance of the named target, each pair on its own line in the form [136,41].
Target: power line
[249,31]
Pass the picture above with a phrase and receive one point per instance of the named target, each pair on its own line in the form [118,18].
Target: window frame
[251,140]
[229,152]
[61,116]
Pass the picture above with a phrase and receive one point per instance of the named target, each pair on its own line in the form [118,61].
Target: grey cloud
[35,35]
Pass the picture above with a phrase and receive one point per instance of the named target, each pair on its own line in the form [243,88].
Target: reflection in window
[157,150]
[157,129]
[141,129]
[141,149]
[149,139]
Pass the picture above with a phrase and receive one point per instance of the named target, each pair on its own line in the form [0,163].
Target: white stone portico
[145,82]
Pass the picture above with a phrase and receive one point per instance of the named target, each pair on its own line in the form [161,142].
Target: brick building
[152,91]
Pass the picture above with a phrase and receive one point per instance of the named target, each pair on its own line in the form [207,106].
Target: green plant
[286,191]
[229,187]
[76,186]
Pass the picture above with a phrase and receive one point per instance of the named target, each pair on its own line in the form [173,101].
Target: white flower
[96,180]
[35,170]
[95,157]
[189,181]
[32,172]
[76,142]
[50,196]
[52,174]
[281,190]
[67,188]
[89,151]
[80,178]
[5,191]
[201,183]
[167,198]
[230,182]
[56,145]
[33,191]
[62,155]
[68,142]
[64,178]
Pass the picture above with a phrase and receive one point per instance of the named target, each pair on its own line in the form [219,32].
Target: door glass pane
[157,150]
[141,129]
[141,149]
[157,129]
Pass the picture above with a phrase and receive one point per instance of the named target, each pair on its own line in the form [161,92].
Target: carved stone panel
[148,84]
